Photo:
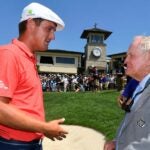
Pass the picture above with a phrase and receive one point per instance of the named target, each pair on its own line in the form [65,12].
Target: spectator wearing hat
[22,118]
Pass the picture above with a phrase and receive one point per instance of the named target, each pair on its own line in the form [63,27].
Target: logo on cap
[30,12]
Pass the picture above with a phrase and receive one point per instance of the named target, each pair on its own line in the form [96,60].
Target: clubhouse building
[93,56]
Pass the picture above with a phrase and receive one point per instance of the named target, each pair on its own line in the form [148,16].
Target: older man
[134,131]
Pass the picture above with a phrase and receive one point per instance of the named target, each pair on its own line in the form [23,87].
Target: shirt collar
[143,82]
[23,47]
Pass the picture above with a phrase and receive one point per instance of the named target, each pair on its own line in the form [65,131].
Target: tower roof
[85,33]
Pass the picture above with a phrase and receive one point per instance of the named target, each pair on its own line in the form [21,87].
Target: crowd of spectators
[78,82]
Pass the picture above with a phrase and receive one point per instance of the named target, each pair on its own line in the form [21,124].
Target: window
[96,39]
[65,60]
[46,60]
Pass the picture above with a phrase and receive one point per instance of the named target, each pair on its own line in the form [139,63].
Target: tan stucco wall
[70,70]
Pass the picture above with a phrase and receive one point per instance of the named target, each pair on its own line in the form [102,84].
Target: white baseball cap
[36,10]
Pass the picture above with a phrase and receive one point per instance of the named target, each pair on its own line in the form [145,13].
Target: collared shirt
[139,88]
[19,81]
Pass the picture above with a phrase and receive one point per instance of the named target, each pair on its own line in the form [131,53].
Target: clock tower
[95,48]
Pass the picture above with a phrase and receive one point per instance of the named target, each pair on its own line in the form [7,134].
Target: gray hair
[144,44]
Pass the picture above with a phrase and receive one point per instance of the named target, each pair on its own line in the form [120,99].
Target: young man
[22,120]
[134,131]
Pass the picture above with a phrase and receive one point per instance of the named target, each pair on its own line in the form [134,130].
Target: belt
[36,141]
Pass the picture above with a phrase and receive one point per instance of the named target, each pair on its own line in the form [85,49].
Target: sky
[125,19]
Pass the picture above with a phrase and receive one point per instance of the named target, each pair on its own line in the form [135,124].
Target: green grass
[97,110]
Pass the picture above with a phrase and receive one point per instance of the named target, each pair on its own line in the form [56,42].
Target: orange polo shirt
[19,81]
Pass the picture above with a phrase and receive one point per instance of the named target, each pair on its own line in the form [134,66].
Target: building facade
[94,55]
[59,61]
[116,64]
[95,48]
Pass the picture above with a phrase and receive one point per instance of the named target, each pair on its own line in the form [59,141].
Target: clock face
[97,52]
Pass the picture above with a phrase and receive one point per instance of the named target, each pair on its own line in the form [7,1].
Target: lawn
[97,110]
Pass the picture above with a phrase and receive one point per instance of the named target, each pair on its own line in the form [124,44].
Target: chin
[44,49]
[128,73]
